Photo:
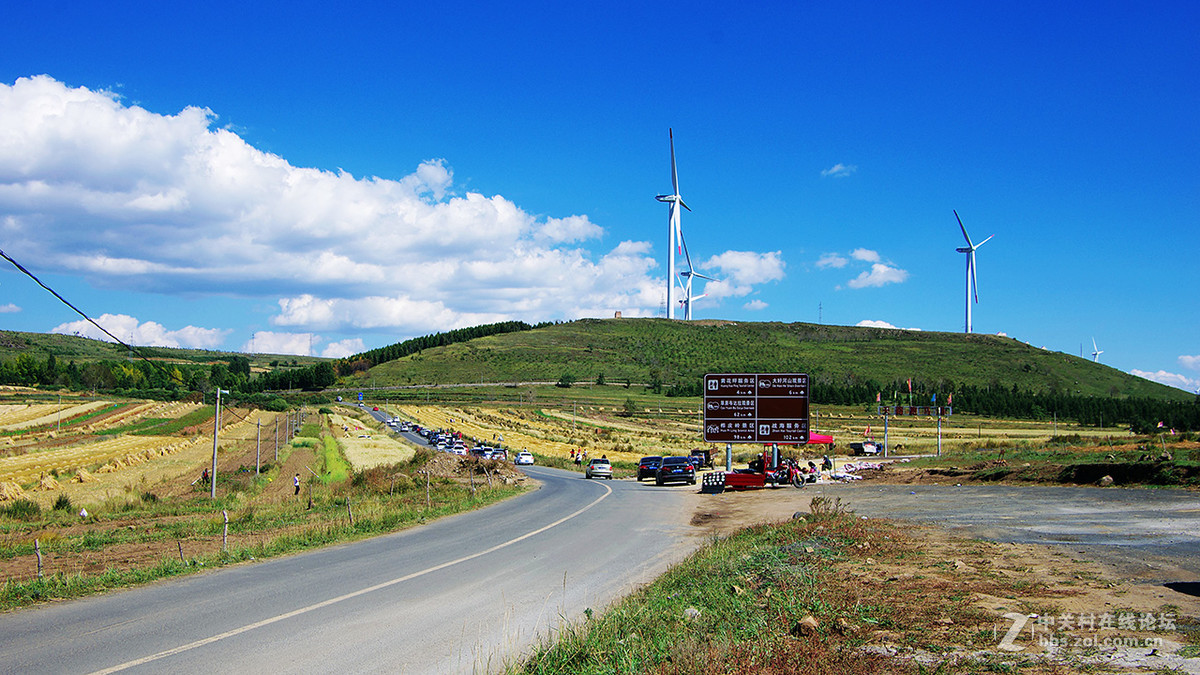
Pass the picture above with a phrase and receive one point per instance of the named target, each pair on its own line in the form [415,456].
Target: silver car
[598,468]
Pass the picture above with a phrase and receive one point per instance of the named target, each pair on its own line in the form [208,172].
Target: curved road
[461,594]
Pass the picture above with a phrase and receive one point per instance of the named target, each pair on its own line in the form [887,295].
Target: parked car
[702,459]
[864,448]
[648,467]
[598,468]
[674,469]
[524,459]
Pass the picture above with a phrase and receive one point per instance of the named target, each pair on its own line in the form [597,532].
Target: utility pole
[257,448]
[212,480]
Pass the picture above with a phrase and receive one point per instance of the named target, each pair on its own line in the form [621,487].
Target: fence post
[37,549]
[225,533]
[349,512]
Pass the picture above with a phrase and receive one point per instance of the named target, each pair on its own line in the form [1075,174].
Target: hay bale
[84,476]
[111,467]
[10,492]
[47,484]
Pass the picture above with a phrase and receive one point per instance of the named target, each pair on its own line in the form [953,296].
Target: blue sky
[289,177]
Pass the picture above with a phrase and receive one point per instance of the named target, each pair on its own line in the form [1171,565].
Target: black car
[648,467]
[675,469]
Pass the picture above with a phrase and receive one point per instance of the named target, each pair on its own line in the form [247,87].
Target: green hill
[86,350]
[679,353]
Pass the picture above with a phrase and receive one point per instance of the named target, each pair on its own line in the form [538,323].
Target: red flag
[950,399]
[877,395]
[910,385]
[867,432]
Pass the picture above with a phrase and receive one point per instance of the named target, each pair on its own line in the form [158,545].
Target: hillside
[638,350]
[86,350]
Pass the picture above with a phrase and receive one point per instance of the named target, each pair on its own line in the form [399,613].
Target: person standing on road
[296,484]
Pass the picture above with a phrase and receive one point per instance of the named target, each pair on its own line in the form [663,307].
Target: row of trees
[374,357]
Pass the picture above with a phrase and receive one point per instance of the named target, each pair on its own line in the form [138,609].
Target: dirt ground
[1059,583]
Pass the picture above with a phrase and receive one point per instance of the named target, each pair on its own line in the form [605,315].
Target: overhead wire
[131,348]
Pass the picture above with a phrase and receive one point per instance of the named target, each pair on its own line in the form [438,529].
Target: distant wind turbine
[673,229]
[1096,351]
[972,278]
[686,277]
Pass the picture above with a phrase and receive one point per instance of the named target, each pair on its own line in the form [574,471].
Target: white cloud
[1190,362]
[295,344]
[1169,379]
[865,255]
[755,305]
[9,309]
[840,170]
[872,323]
[880,275]
[132,199]
[833,260]
[739,271]
[147,333]
[343,348]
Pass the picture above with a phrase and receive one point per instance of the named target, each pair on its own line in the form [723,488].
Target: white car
[524,458]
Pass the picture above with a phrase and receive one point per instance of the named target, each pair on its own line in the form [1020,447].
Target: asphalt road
[461,594]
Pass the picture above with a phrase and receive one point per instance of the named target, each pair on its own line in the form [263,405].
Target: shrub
[22,509]
[62,503]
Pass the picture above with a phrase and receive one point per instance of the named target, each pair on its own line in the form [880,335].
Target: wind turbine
[972,278]
[1096,351]
[673,229]
[685,280]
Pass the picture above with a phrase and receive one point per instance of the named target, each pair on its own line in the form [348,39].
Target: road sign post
[756,408]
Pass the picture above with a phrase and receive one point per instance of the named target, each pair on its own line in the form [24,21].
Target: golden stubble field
[555,431]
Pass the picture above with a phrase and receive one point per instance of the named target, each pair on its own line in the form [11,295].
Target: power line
[78,311]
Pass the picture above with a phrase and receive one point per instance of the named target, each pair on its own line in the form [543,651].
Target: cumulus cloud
[755,305]
[343,348]
[148,333]
[872,323]
[9,309]
[831,260]
[839,170]
[1170,379]
[137,200]
[1190,362]
[294,344]
[880,274]
[738,272]
[865,255]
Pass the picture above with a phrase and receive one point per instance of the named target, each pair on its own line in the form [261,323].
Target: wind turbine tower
[972,278]
[673,231]
[1096,351]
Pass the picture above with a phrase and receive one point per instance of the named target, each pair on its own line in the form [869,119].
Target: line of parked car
[453,442]
[669,469]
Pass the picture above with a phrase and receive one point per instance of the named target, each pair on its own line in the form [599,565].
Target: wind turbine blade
[964,230]
[984,241]
[697,275]
[684,204]
[674,174]
[686,256]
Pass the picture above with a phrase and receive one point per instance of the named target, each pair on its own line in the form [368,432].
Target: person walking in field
[296,484]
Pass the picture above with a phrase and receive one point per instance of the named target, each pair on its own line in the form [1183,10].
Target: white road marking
[371,589]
